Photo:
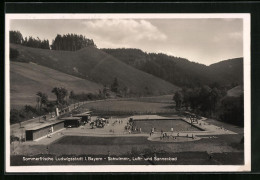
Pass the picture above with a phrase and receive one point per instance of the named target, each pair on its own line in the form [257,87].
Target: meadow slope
[29,78]
[97,66]
[236,91]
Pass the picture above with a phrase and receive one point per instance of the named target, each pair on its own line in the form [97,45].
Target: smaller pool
[165,125]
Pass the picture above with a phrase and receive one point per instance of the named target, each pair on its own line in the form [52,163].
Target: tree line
[71,42]
[67,42]
[36,43]
[211,102]
[17,38]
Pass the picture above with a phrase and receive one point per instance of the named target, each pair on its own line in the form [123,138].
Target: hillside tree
[60,94]
[16,37]
[42,98]
[115,85]
[178,98]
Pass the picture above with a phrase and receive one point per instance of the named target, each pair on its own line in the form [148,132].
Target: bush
[28,109]
[233,110]
[84,96]
[13,53]
[14,138]
[17,116]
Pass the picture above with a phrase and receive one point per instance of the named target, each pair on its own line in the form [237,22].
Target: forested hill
[228,71]
[180,71]
[95,65]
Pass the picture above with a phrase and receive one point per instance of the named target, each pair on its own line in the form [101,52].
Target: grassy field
[122,145]
[76,140]
[26,79]
[166,99]
[130,107]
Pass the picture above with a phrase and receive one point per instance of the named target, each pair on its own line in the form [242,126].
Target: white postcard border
[136,168]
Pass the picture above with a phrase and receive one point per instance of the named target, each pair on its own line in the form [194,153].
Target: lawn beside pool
[94,140]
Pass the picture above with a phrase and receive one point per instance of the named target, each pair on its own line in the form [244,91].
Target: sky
[205,41]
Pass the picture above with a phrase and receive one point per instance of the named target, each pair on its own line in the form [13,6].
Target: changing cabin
[42,130]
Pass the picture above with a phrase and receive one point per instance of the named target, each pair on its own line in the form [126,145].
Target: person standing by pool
[172,130]
[151,132]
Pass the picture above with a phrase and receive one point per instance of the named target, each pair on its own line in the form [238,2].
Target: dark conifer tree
[71,42]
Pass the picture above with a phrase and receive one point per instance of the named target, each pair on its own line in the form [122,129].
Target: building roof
[81,115]
[71,118]
[43,125]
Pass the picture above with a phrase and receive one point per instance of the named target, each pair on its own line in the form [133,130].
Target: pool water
[94,140]
[177,125]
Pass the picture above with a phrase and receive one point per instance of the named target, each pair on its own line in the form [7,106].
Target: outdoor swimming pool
[166,125]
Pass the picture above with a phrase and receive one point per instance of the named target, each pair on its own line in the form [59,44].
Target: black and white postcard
[127,93]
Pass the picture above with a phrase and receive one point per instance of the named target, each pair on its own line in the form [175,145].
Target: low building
[72,121]
[85,117]
[42,130]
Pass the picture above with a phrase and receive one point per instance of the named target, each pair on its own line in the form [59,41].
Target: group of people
[193,119]
[131,127]
[117,121]
[166,136]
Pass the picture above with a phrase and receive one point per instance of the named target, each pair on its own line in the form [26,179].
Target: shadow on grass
[169,107]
